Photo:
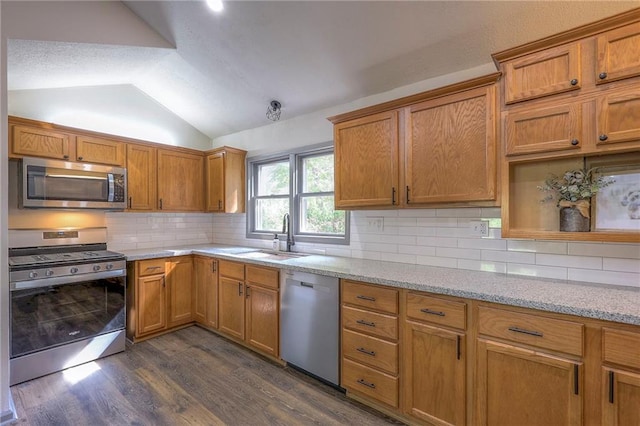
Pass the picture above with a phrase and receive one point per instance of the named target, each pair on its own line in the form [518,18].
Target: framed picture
[617,206]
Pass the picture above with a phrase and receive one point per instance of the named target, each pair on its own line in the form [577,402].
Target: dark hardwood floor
[190,376]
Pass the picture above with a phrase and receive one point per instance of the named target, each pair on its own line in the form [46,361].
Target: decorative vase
[571,220]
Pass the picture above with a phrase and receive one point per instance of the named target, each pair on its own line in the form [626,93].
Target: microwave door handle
[111,187]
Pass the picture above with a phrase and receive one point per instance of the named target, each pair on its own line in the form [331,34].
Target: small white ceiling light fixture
[273,110]
[215,5]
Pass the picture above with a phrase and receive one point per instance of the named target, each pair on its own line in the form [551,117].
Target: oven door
[44,316]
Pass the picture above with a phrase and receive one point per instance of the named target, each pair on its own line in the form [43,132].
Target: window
[300,184]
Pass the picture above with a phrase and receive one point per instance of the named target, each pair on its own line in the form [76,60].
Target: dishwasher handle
[303,284]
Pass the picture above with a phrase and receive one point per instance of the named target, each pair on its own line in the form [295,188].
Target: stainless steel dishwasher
[309,324]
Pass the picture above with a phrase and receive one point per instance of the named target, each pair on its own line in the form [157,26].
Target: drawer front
[150,267]
[438,311]
[370,296]
[266,277]
[554,334]
[385,326]
[373,383]
[371,351]
[232,269]
[621,347]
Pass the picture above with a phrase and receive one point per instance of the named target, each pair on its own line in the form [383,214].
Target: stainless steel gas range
[67,300]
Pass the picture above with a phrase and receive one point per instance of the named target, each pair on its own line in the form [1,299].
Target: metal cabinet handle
[430,312]
[393,195]
[79,158]
[239,289]
[160,203]
[576,388]
[366,352]
[611,387]
[574,82]
[164,282]
[602,75]
[369,298]
[603,137]
[219,204]
[367,323]
[575,142]
[130,202]
[214,266]
[523,331]
[247,292]
[408,194]
[367,384]
[66,157]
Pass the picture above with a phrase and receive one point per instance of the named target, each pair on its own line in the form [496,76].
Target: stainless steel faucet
[286,228]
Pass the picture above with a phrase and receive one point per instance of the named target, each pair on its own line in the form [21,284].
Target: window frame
[295,158]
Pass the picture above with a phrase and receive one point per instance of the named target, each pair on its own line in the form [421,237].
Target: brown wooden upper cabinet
[618,54]
[618,118]
[450,148]
[142,177]
[225,180]
[32,141]
[98,150]
[366,161]
[543,73]
[180,181]
[433,147]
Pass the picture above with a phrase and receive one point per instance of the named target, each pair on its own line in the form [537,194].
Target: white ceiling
[309,55]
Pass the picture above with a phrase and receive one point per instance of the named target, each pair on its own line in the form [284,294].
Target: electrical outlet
[479,228]
[375,224]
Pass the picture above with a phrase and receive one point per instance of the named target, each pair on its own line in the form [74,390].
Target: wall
[441,237]
[130,231]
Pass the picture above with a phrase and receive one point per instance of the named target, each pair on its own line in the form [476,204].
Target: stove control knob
[73,270]
[96,268]
[33,274]
[49,272]
[109,266]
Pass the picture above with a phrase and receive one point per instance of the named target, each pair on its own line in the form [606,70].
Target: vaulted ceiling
[309,55]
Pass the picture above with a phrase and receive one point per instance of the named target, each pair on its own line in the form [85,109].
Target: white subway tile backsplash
[569,261]
[434,237]
[605,277]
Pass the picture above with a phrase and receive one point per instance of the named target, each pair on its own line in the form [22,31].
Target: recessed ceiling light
[215,5]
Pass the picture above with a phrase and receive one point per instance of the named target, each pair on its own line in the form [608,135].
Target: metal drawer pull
[367,384]
[367,323]
[576,386]
[152,267]
[523,331]
[611,387]
[369,298]
[366,352]
[429,311]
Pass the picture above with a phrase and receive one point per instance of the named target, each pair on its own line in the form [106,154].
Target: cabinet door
[543,73]
[618,118]
[262,319]
[97,150]
[618,54]
[205,305]
[544,129]
[450,148]
[620,398]
[434,374]
[180,282]
[180,181]
[152,302]
[366,161]
[215,182]
[39,142]
[141,177]
[231,307]
[519,386]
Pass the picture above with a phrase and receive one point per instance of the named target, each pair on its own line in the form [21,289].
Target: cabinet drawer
[232,269]
[534,330]
[435,310]
[150,267]
[371,351]
[621,347]
[380,325]
[373,383]
[370,297]
[263,276]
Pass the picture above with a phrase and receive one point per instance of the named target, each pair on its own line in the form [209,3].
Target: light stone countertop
[605,302]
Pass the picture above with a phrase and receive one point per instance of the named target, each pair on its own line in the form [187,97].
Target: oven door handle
[71,279]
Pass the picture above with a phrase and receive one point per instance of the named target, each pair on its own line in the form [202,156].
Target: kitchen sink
[270,255]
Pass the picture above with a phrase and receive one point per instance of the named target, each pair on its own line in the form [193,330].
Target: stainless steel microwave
[62,184]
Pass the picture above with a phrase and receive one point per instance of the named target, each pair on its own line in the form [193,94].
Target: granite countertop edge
[602,302]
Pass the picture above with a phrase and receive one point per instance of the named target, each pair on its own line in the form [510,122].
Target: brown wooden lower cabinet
[152,304]
[231,307]
[620,397]
[179,276]
[205,291]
